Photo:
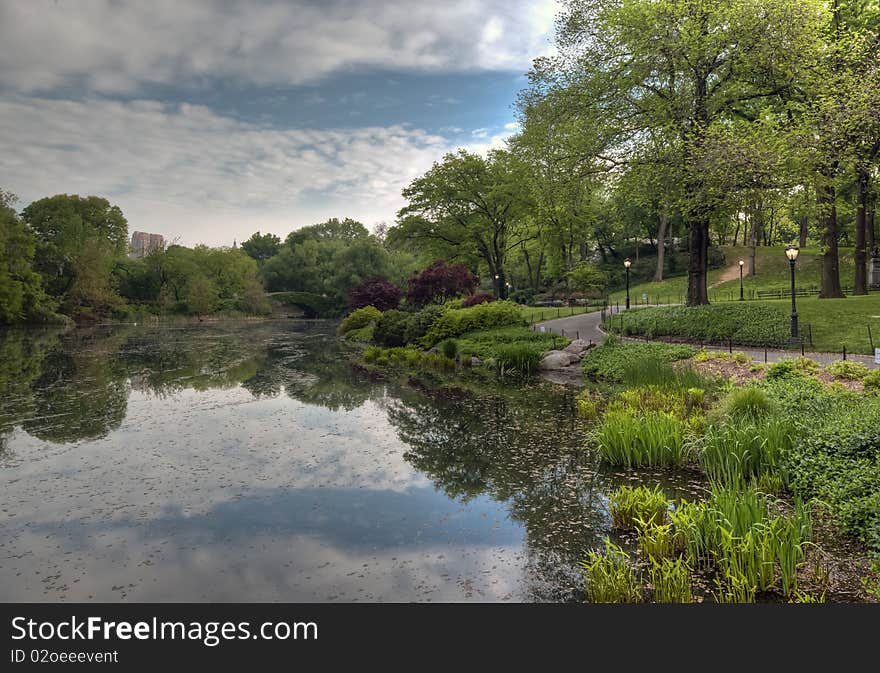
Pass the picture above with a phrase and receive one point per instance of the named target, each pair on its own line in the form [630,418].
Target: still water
[253,462]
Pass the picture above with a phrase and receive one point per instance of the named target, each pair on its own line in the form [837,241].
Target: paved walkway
[586,326]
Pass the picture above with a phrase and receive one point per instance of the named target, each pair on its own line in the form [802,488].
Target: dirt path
[729,274]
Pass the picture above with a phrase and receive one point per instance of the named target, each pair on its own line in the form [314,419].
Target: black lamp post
[741,264]
[627,264]
[792,252]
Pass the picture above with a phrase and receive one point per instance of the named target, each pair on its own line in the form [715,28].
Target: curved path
[587,327]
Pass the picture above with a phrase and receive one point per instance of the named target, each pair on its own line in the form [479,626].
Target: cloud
[185,171]
[114,46]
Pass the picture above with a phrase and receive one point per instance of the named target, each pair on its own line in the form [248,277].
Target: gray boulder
[557,360]
[577,347]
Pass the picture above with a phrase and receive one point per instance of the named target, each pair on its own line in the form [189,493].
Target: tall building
[143,244]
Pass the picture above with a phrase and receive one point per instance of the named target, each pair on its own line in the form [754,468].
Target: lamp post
[792,252]
[498,288]
[627,264]
[741,264]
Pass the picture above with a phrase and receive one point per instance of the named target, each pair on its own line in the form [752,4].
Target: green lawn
[772,273]
[835,322]
[537,313]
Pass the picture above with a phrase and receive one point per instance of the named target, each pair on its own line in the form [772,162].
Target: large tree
[468,207]
[685,66]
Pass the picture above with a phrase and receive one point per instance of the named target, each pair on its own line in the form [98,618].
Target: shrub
[420,322]
[611,361]
[629,504]
[609,576]
[752,324]
[455,322]
[360,317]
[479,298]
[746,404]
[449,348]
[872,381]
[377,291]
[799,366]
[362,334]
[850,370]
[652,439]
[390,330]
[439,282]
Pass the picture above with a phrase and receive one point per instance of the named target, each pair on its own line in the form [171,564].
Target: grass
[772,273]
[671,581]
[737,454]
[509,348]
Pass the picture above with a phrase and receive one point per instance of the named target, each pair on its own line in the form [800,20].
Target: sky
[207,120]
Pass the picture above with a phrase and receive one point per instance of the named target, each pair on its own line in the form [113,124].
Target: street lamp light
[741,264]
[627,264]
[792,252]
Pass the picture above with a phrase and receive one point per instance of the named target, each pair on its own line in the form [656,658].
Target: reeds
[739,454]
[671,581]
[609,576]
[630,505]
[651,439]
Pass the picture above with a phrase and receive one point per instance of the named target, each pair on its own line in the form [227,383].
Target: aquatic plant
[609,578]
[630,504]
[671,581]
[655,539]
[739,453]
[746,404]
[651,439]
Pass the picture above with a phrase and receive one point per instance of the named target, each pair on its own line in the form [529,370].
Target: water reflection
[251,461]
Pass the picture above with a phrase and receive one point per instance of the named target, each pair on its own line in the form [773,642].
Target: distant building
[143,244]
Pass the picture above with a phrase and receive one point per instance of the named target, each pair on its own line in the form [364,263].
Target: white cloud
[117,46]
[184,171]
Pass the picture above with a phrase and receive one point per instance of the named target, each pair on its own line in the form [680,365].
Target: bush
[359,318]
[377,291]
[439,282]
[479,298]
[362,334]
[455,322]
[746,404]
[872,380]
[449,348]
[799,366]
[612,359]
[390,330]
[749,324]
[420,322]
[848,369]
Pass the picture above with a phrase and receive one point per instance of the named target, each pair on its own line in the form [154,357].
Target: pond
[252,462]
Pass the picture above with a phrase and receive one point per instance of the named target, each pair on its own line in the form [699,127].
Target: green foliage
[750,323]
[21,289]
[799,367]
[261,247]
[455,322]
[653,439]
[749,403]
[588,280]
[671,581]
[359,318]
[872,381]
[650,398]
[740,453]
[614,360]
[628,504]
[420,322]
[390,330]
[361,334]
[587,404]
[655,540]
[850,370]
[609,578]
[449,348]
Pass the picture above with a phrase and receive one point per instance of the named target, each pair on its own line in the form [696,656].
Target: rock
[577,347]
[475,361]
[557,360]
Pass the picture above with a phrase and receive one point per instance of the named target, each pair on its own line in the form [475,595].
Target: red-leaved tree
[377,291]
[439,282]
[479,298]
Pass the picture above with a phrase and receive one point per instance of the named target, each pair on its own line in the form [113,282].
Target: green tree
[261,247]
[201,295]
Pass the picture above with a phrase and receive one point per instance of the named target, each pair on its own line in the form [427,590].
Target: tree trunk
[802,238]
[661,246]
[860,283]
[871,232]
[826,199]
[754,233]
[698,265]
